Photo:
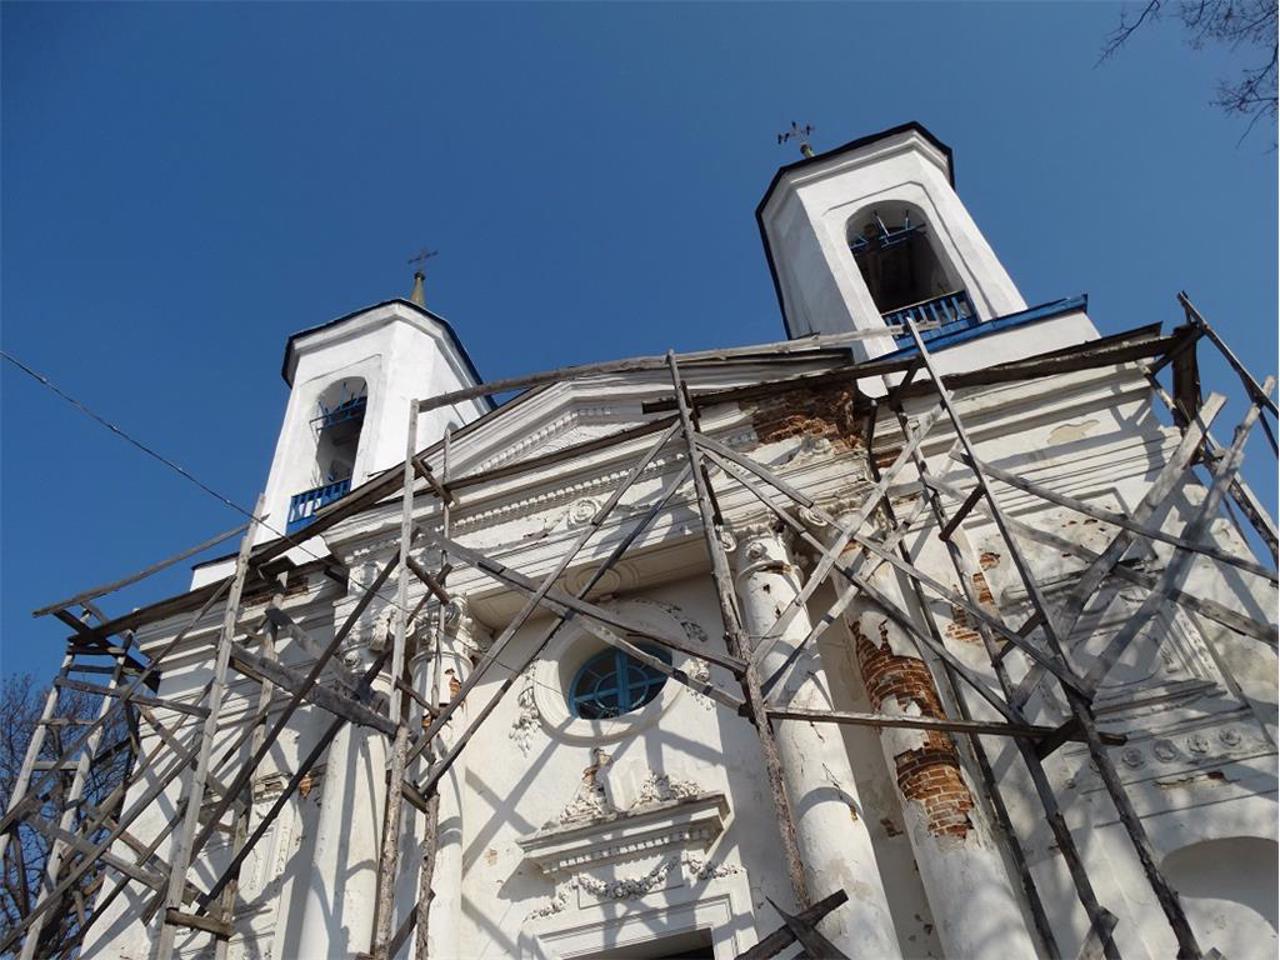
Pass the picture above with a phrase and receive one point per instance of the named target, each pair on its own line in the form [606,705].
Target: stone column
[342,884]
[832,833]
[974,906]
[452,650]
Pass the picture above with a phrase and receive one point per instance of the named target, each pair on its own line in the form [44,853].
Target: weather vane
[800,134]
[421,258]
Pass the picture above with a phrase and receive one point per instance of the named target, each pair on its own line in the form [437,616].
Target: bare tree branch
[1247,27]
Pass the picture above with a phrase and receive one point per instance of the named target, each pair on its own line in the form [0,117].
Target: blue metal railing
[951,312]
[303,506]
[352,409]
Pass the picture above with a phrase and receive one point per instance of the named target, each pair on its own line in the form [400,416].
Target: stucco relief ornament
[556,904]
[692,629]
[704,870]
[1198,744]
[526,720]
[590,802]
[660,788]
[627,889]
[700,672]
[1230,736]
[1166,751]
[812,520]
[1132,757]
[727,540]
[582,511]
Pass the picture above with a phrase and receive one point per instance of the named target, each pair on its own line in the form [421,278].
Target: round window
[613,683]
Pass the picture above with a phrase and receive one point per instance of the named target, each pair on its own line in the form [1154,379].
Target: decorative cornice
[648,828]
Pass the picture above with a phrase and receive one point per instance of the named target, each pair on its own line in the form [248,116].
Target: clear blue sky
[184,185]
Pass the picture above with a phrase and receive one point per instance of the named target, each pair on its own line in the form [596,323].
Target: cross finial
[422,256]
[799,134]
[419,259]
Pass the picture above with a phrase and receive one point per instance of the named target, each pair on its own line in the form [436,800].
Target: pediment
[564,414]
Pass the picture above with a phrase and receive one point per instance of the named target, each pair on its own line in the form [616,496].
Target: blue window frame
[613,683]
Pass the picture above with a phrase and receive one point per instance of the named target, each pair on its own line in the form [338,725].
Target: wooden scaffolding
[92,855]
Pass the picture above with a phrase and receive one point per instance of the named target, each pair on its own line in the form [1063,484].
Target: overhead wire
[46,382]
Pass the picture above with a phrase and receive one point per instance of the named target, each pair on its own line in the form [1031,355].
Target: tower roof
[290,346]
[805,163]
[818,158]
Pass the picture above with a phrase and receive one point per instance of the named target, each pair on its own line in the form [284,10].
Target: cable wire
[186,474]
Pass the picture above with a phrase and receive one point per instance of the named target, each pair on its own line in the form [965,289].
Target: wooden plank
[84,865]
[1135,344]
[83,846]
[345,680]
[389,856]
[844,533]
[1179,563]
[565,454]
[1243,496]
[964,569]
[282,719]
[950,725]
[114,585]
[1257,393]
[532,603]
[800,345]
[190,710]
[176,918]
[428,578]
[423,469]
[1211,609]
[1078,702]
[185,837]
[304,768]
[1088,582]
[846,593]
[957,518]
[556,598]
[814,943]
[339,704]
[779,940]
[735,639]
[1127,523]
[704,687]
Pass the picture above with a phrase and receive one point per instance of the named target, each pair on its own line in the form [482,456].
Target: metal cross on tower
[799,134]
[419,260]
[421,257]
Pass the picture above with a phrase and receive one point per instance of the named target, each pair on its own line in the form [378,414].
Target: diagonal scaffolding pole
[1081,711]
[735,639]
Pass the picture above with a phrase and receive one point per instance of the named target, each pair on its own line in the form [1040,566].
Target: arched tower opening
[336,426]
[898,259]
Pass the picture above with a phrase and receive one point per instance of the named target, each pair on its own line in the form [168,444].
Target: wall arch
[1229,889]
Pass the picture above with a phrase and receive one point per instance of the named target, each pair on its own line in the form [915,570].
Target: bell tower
[861,234]
[351,381]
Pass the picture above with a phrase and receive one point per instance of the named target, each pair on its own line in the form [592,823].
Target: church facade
[602,804]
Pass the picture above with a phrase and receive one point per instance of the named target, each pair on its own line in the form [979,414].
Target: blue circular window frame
[613,683]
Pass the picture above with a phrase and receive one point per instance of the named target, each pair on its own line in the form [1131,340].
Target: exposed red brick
[988,560]
[960,629]
[931,774]
[835,412]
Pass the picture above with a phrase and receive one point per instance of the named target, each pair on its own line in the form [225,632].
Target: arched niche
[1229,890]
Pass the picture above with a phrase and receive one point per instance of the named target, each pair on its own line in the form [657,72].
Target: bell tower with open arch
[858,234]
[351,381]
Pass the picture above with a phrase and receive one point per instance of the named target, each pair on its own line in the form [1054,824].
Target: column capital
[760,546]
